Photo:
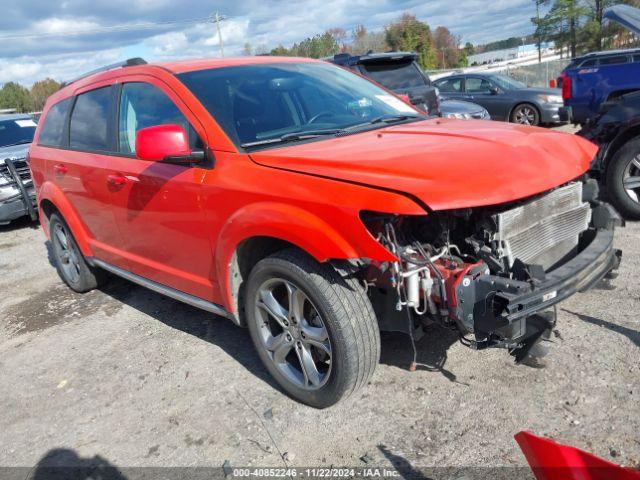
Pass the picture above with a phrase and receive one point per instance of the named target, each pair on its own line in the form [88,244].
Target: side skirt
[162,289]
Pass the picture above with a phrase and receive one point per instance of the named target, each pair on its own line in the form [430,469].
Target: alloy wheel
[293,333]
[525,116]
[631,179]
[67,256]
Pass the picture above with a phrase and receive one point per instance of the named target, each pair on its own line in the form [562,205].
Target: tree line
[578,26]
[14,95]
[435,49]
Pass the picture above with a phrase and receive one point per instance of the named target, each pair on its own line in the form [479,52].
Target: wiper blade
[21,142]
[293,136]
[389,118]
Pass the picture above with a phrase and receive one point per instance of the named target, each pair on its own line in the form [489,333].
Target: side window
[451,85]
[477,85]
[613,60]
[142,105]
[52,133]
[589,63]
[89,121]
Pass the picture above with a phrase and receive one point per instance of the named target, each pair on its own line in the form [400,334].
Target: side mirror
[494,91]
[166,143]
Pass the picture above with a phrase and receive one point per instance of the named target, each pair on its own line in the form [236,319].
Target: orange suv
[316,208]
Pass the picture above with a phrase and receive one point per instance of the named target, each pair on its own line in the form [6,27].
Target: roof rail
[131,62]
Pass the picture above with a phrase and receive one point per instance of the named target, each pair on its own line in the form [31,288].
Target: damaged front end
[489,272]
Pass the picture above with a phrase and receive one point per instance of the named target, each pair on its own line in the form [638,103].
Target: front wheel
[69,261]
[313,327]
[623,180]
[526,114]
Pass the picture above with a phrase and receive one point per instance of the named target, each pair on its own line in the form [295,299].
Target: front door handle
[116,180]
[60,169]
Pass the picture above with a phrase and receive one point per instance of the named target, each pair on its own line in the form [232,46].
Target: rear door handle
[116,180]
[60,169]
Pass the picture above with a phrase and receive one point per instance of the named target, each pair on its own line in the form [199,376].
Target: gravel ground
[136,379]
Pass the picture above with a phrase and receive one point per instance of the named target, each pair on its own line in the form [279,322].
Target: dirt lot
[142,380]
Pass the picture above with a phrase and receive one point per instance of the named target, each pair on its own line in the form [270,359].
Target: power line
[112,28]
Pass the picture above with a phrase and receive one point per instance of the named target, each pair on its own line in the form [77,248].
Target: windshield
[395,76]
[507,83]
[276,102]
[16,132]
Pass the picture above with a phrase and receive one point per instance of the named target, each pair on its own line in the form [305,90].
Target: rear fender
[49,191]
[294,225]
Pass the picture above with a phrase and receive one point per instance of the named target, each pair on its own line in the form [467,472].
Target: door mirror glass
[168,143]
[494,91]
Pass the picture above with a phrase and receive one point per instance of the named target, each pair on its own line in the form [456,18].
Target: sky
[65,38]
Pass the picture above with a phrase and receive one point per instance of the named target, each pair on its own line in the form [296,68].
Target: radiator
[545,230]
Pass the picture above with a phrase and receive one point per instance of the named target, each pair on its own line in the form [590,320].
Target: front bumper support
[498,307]
[24,194]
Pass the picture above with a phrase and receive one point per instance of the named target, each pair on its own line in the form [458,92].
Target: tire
[625,165]
[525,111]
[335,327]
[69,261]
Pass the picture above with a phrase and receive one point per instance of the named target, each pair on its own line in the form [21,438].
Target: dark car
[399,72]
[506,99]
[616,129]
[16,134]
[398,69]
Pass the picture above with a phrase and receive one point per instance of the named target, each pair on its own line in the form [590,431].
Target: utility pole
[217,20]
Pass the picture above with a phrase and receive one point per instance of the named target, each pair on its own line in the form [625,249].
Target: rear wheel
[313,327]
[526,114]
[70,263]
[623,180]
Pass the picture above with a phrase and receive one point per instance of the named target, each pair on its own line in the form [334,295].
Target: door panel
[81,172]
[478,90]
[158,206]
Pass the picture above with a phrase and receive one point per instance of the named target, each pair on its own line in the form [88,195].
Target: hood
[626,16]
[15,152]
[447,164]
[459,106]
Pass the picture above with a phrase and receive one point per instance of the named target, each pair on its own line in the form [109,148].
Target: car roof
[14,116]
[606,53]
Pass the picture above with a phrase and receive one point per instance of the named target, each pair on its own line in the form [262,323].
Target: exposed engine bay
[486,271]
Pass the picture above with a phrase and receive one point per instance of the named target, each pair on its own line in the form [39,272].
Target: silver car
[16,134]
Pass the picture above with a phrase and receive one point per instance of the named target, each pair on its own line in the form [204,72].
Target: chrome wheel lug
[288,337]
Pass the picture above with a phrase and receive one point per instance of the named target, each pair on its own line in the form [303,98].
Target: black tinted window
[52,133]
[142,105]
[450,85]
[89,121]
[613,60]
[395,76]
[589,63]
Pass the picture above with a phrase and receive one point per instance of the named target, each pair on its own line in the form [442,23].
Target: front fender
[294,225]
[50,192]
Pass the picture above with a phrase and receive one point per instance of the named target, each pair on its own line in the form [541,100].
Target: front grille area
[22,167]
[544,231]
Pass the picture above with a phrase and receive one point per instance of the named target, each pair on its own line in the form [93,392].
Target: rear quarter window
[614,60]
[53,125]
[88,129]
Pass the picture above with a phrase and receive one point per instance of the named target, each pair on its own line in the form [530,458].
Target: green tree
[14,95]
[42,90]
[280,51]
[410,34]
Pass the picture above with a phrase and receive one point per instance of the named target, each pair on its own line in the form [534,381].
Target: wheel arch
[624,137]
[259,230]
[52,200]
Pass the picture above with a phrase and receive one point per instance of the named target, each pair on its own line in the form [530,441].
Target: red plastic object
[155,143]
[567,87]
[552,461]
